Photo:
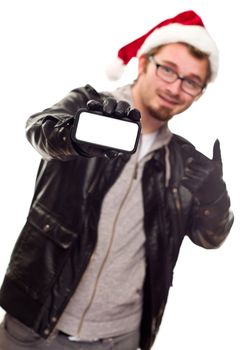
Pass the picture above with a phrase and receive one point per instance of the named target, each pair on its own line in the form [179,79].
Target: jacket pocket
[16,334]
[40,252]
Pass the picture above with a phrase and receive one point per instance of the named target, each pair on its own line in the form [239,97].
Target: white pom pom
[115,69]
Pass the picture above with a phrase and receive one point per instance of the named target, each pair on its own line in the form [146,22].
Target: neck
[149,124]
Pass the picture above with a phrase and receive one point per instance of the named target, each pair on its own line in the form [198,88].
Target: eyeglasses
[168,75]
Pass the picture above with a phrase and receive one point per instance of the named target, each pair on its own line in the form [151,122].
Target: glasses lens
[167,74]
[191,87]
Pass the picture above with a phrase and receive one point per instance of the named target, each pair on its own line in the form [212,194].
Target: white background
[49,47]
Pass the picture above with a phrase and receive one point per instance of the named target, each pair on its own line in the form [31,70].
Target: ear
[142,64]
[200,95]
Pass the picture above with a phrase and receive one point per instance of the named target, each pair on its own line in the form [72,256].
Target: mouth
[168,101]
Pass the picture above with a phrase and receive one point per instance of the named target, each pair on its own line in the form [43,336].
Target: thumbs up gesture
[203,176]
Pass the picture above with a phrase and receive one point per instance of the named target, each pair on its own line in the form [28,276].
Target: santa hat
[186,27]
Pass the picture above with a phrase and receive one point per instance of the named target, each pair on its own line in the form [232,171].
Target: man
[94,262]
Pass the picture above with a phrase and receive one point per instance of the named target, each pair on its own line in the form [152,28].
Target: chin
[164,113]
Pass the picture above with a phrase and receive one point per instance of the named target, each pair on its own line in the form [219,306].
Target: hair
[195,52]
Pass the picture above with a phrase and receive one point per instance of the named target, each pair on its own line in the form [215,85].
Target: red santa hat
[186,27]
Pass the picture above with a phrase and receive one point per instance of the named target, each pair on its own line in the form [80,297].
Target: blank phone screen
[106,131]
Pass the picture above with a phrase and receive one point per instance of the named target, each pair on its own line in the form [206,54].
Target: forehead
[180,56]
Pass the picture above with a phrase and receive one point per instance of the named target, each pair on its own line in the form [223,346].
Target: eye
[191,83]
[167,70]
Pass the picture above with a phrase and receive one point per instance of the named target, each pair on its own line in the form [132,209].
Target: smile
[168,100]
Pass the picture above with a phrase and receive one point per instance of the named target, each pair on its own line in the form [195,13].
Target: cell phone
[106,132]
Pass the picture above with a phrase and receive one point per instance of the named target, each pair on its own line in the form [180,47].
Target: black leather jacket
[57,241]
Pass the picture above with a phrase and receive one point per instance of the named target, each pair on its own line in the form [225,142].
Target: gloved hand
[203,176]
[110,107]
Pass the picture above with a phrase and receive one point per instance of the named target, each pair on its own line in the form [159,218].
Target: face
[160,100]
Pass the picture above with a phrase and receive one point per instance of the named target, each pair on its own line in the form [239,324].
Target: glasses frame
[177,76]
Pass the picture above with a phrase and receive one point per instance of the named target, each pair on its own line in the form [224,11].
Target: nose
[174,87]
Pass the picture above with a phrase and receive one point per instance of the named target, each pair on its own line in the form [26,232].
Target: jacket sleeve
[49,131]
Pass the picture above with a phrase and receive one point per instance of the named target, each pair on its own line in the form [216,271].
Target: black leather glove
[110,107]
[203,176]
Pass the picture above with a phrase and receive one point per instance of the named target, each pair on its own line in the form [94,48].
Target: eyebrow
[190,76]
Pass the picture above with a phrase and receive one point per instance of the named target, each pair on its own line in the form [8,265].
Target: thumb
[111,154]
[217,152]
[217,156]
